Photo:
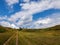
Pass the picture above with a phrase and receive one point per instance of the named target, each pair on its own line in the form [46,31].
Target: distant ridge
[56,27]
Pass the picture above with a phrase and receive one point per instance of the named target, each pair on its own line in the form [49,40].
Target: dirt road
[14,35]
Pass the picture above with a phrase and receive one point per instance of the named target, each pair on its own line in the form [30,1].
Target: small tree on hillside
[20,29]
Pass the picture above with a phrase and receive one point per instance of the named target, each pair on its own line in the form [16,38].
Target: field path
[17,38]
[14,35]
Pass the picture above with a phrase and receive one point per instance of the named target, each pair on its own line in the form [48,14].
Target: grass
[39,38]
[4,36]
[48,36]
[12,41]
[33,38]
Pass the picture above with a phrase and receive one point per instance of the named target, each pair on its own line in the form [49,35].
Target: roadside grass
[5,35]
[12,41]
[39,38]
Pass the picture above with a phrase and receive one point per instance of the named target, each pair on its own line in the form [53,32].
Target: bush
[20,29]
[2,30]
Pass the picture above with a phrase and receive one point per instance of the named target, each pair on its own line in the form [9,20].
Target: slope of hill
[57,27]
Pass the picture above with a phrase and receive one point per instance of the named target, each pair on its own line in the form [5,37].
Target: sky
[29,13]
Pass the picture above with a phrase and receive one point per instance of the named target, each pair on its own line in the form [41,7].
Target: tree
[20,29]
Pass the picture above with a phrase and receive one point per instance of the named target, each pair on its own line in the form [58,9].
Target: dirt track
[14,35]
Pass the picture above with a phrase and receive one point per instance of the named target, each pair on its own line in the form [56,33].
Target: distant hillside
[57,27]
[4,29]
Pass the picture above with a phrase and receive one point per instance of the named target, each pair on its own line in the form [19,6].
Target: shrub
[2,30]
[20,29]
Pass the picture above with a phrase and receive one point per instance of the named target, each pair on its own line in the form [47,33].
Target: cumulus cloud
[56,3]
[3,17]
[43,21]
[4,23]
[26,0]
[14,26]
[35,7]
[7,24]
[52,20]
[24,18]
[21,16]
[11,2]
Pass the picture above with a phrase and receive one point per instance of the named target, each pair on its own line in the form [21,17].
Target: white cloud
[26,0]
[35,7]
[3,17]
[43,21]
[14,26]
[4,23]
[11,2]
[7,24]
[24,18]
[52,20]
[29,9]
[56,4]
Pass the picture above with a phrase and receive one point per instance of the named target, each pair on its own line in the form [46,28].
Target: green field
[31,37]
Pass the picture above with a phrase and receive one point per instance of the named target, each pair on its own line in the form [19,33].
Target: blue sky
[29,13]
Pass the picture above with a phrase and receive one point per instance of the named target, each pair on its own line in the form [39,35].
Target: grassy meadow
[48,36]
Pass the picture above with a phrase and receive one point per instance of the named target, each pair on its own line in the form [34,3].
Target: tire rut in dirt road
[17,38]
[9,39]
